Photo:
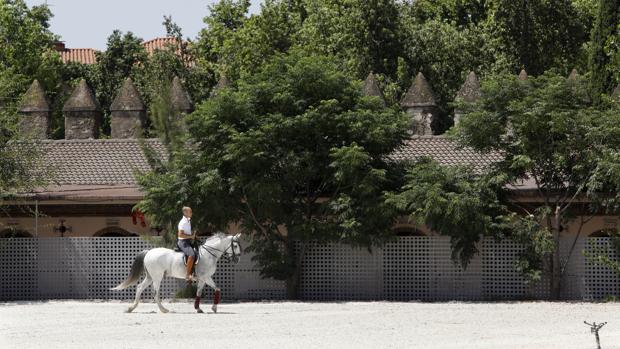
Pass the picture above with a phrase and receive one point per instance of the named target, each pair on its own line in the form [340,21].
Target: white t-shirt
[186,225]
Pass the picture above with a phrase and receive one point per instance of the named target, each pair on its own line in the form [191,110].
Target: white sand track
[79,324]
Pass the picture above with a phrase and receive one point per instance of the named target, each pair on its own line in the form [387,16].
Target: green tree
[554,139]
[295,154]
[363,34]
[455,201]
[538,35]
[459,12]
[604,48]
[121,59]
[26,53]
[445,54]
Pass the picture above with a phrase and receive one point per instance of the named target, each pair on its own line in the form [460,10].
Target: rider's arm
[180,230]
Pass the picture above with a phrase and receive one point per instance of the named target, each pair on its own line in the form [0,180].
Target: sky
[88,23]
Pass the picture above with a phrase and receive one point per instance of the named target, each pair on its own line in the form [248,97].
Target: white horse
[160,262]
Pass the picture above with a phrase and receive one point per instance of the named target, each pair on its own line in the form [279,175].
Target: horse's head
[233,251]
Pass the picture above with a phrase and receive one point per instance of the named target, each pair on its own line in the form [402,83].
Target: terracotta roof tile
[445,151]
[159,44]
[87,55]
[115,161]
[79,55]
[97,161]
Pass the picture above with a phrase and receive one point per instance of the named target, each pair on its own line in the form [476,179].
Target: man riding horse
[184,240]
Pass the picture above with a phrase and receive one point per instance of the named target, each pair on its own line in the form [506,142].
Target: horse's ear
[237,237]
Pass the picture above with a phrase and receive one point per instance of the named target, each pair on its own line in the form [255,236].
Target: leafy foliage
[554,140]
[454,201]
[604,33]
[295,153]
[539,34]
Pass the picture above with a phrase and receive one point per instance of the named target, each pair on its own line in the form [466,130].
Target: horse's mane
[218,235]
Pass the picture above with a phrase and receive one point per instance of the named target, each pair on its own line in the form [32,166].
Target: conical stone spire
[371,87]
[419,103]
[127,98]
[222,83]
[419,94]
[523,75]
[127,112]
[469,92]
[34,113]
[82,113]
[179,98]
[34,99]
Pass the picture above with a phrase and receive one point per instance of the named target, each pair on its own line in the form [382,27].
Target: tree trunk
[292,282]
[292,285]
[556,267]
[556,273]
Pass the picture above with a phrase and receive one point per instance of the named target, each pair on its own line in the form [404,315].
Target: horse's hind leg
[156,284]
[143,285]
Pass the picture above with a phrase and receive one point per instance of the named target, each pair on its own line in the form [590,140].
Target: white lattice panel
[573,281]
[315,280]
[18,269]
[600,280]
[412,268]
[338,272]
[250,286]
[500,278]
[408,269]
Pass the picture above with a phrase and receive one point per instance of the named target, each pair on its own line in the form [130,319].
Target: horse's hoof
[214,308]
[129,310]
[199,311]
[164,311]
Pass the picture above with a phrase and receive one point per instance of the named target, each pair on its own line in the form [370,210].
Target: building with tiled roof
[445,151]
[79,55]
[88,55]
[164,43]
[92,182]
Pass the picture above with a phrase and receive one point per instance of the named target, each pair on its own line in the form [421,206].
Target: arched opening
[407,231]
[14,233]
[602,252]
[114,232]
[603,233]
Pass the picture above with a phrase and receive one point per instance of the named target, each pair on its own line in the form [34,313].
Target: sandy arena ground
[77,324]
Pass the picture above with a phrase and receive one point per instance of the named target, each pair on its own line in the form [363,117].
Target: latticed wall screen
[412,268]
[86,268]
[600,280]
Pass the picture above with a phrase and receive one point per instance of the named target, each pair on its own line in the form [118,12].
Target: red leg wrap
[197,303]
[217,297]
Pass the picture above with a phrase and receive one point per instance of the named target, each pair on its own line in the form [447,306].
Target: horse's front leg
[217,296]
[199,288]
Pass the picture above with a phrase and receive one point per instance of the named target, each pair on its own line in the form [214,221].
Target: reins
[211,249]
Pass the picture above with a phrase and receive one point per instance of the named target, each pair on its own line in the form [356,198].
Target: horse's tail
[136,270]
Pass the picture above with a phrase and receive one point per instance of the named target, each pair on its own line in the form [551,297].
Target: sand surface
[79,324]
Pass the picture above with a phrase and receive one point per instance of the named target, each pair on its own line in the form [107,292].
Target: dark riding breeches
[186,246]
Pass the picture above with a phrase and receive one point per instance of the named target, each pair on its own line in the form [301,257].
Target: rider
[184,240]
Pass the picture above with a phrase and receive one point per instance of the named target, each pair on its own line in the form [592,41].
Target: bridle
[234,256]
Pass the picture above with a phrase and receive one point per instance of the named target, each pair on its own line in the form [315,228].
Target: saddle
[196,253]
